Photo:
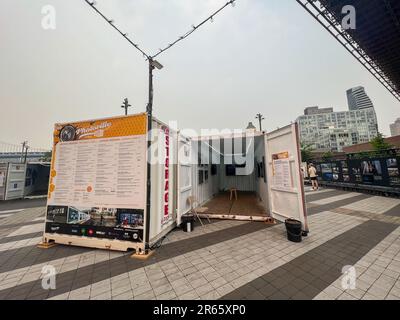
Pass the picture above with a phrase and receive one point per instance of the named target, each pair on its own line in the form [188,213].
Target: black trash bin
[187,222]
[293,228]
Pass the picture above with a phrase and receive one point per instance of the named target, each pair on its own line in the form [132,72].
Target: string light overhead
[111,23]
[195,27]
[160,50]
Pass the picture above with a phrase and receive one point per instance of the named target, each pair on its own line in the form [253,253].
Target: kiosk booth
[19,180]
[12,180]
[246,176]
[109,189]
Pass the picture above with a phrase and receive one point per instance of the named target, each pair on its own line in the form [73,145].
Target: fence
[373,171]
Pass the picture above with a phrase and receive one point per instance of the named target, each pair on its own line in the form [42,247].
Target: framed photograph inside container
[213,169]
[230,170]
[263,169]
[258,166]
[201,176]
[238,172]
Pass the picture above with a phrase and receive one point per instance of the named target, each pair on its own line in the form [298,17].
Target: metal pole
[260,118]
[149,110]
[22,152]
[26,153]
[126,105]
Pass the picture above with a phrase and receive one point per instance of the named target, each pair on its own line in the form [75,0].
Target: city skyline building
[395,128]
[358,99]
[327,130]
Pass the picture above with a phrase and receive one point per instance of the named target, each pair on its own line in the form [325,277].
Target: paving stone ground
[222,260]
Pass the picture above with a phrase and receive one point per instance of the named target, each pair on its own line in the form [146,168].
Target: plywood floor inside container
[247,207]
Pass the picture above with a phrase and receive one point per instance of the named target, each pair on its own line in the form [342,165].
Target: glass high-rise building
[395,128]
[357,99]
[325,129]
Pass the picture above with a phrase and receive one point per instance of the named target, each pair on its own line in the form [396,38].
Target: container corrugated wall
[158,169]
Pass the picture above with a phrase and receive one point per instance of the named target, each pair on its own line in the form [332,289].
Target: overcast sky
[267,56]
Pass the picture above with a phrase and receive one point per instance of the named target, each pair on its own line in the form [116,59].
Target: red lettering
[166,173]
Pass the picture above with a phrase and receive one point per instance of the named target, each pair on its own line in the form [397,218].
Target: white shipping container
[270,182]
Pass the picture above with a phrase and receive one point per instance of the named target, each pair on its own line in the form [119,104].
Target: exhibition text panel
[108,172]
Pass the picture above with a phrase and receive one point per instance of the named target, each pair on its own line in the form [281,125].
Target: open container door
[184,176]
[285,180]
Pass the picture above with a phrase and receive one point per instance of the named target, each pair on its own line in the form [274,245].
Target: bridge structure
[374,39]
[17,153]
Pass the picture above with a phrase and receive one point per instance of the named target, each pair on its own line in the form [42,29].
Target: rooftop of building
[362,147]
[319,111]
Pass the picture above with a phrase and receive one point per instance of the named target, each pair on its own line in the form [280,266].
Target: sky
[268,57]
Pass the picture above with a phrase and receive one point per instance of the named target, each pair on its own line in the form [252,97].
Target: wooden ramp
[246,207]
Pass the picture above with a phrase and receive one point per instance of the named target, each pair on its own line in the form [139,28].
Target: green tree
[326,156]
[379,143]
[306,152]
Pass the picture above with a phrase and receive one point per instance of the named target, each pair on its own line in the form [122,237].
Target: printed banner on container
[97,179]
[166,170]
[281,171]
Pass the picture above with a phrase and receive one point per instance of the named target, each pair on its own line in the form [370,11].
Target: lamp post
[260,118]
[26,153]
[24,144]
[149,110]
[126,105]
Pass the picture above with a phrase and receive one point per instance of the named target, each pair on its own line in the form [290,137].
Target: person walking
[312,173]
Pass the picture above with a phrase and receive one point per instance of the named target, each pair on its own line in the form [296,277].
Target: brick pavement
[235,259]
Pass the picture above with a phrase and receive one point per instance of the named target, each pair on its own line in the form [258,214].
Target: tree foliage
[379,143]
[326,156]
[306,152]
